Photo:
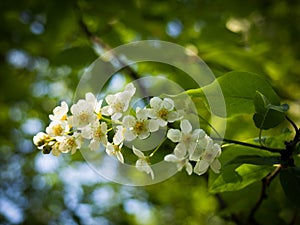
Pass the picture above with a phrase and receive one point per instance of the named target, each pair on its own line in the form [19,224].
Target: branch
[98,42]
[266,181]
[276,150]
[293,124]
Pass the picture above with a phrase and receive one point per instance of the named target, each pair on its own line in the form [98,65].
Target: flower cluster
[92,120]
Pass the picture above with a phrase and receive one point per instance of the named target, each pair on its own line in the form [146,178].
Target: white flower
[69,143]
[96,105]
[97,132]
[119,135]
[186,136]
[136,127]
[180,163]
[57,128]
[142,164]
[83,114]
[40,139]
[118,103]
[203,143]
[179,157]
[162,111]
[60,112]
[209,159]
[115,150]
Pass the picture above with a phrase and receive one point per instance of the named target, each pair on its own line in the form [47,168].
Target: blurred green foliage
[43,52]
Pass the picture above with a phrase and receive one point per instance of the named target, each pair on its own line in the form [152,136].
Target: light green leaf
[238,90]
[233,179]
[290,182]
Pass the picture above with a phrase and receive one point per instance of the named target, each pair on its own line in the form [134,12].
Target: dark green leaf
[255,159]
[75,57]
[290,182]
[267,115]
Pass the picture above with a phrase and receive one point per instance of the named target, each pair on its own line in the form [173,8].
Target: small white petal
[94,145]
[129,135]
[174,135]
[141,114]
[153,125]
[144,135]
[155,103]
[201,167]
[120,156]
[119,135]
[107,111]
[215,166]
[185,126]
[171,158]
[138,153]
[180,150]
[110,99]
[189,168]
[172,116]
[168,104]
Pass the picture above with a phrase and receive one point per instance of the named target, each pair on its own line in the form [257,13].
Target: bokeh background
[45,47]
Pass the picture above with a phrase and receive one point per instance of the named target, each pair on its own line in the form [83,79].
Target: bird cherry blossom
[142,164]
[115,150]
[186,136]
[97,132]
[180,158]
[118,103]
[60,112]
[162,112]
[136,127]
[209,159]
[93,125]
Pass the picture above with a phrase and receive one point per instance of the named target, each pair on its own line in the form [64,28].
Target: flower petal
[180,150]
[188,168]
[201,167]
[168,104]
[153,125]
[171,158]
[215,166]
[155,103]
[185,126]
[174,135]
[128,121]
[138,153]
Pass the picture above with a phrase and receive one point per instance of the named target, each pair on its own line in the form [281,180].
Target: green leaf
[267,115]
[255,160]
[290,182]
[232,178]
[238,89]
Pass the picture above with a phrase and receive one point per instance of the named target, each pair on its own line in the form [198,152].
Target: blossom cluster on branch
[91,120]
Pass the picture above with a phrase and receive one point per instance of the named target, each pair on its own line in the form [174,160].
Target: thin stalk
[276,150]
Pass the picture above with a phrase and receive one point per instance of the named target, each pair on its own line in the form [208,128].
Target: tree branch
[266,181]
[99,43]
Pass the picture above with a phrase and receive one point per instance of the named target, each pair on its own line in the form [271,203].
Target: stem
[277,150]
[293,124]
[156,149]
[266,181]
[211,126]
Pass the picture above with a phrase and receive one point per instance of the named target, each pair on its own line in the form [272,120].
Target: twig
[97,41]
[266,181]
[293,124]
[276,150]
